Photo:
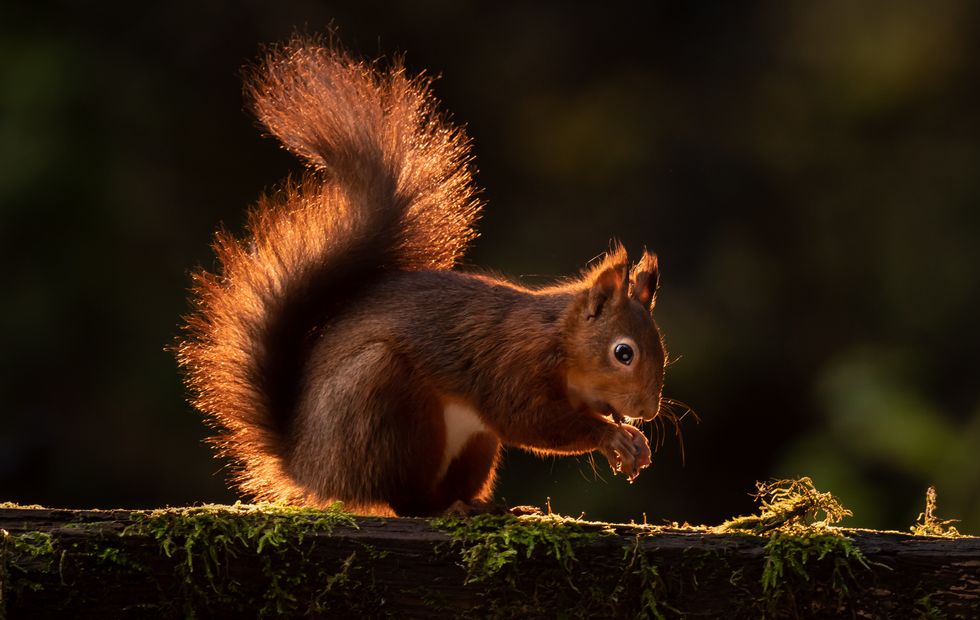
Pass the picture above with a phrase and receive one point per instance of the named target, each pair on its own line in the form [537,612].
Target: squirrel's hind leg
[372,430]
[463,451]
[364,429]
[469,476]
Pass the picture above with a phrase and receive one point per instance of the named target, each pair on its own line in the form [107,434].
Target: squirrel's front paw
[627,450]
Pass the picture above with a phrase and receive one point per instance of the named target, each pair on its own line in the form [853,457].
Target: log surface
[73,563]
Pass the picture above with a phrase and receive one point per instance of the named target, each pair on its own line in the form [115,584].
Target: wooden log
[270,560]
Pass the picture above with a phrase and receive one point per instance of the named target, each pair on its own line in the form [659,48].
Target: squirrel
[340,356]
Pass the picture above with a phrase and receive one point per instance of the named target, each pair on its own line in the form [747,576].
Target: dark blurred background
[808,173]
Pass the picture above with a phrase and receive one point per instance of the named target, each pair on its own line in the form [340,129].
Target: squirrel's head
[614,352]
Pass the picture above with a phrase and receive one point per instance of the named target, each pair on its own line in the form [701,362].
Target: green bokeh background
[808,173]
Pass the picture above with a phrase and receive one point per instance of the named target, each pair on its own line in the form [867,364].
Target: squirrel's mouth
[609,411]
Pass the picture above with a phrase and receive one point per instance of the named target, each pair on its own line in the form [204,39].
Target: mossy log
[273,560]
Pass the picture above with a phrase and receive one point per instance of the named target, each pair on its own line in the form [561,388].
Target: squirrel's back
[389,189]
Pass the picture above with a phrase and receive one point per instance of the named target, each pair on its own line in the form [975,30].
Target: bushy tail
[389,189]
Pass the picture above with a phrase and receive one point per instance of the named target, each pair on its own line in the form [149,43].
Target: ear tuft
[609,282]
[645,280]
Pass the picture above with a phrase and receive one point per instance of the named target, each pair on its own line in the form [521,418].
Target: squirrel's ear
[608,287]
[645,279]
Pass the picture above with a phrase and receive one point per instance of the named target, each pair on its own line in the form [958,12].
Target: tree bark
[117,563]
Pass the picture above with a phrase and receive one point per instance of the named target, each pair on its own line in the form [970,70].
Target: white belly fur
[462,422]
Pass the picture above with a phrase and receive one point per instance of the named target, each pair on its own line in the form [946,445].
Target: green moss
[491,544]
[35,548]
[518,566]
[642,574]
[522,565]
[529,566]
[28,553]
[200,533]
[794,559]
[113,557]
[804,554]
[33,544]
[205,541]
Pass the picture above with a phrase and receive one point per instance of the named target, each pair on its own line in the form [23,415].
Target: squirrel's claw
[644,456]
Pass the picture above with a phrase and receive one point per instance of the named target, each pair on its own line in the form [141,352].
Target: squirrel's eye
[623,353]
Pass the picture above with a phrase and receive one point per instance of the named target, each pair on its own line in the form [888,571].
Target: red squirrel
[339,355]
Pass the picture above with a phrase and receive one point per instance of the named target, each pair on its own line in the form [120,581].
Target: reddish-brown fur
[336,344]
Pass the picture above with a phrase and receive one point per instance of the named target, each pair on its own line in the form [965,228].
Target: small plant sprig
[928,524]
[785,504]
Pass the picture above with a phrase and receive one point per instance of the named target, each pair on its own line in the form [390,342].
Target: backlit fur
[336,337]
